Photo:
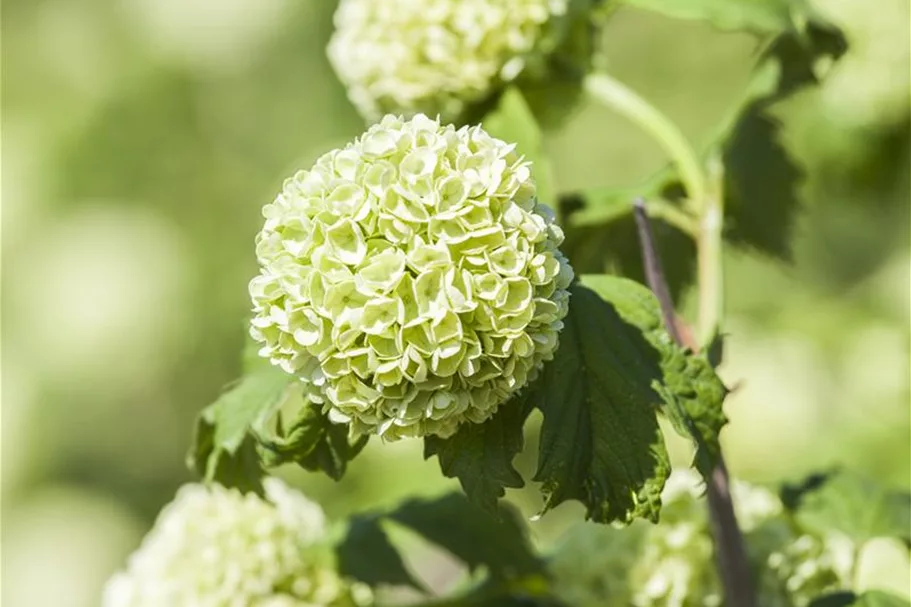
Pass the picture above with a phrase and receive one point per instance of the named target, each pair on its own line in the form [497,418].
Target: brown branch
[730,552]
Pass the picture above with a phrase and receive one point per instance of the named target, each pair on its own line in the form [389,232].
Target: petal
[347,242]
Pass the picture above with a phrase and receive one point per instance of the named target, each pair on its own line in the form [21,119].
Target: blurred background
[140,139]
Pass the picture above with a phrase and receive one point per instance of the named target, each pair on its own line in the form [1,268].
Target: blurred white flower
[433,56]
[411,280]
[217,547]
[672,564]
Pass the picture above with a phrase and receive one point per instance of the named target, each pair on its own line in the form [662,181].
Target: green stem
[674,216]
[709,262]
[625,101]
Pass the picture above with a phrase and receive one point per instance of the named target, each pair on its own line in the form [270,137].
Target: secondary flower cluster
[673,564]
[411,280]
[433,56]
[216,547]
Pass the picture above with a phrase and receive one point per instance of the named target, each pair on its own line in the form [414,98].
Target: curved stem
[625,101]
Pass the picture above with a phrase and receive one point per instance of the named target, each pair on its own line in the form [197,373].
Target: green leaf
[878,598]
[513,122]
[835,599]
[792,494]
[601,233]
[761,179]
[235,411]
[222,450]
[600,440]
[240,469]
[690,389]
[872,598]
[480,455]
[311,440]
[472,534]
[758,16]
[760,184]
[367,555]
[857,507]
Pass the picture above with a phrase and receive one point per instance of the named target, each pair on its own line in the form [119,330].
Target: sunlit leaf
[691,391]
[223,451]
[600,440]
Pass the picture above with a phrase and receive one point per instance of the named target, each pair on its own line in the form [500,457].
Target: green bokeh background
[140,138]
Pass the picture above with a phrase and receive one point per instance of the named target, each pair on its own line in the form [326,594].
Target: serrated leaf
[480,455]
[758,16]
[222,449]
[872,598]
[856,507]
[235,411]
[600,440]
[472,534]
[310,440]
[761,179]
[690,389]
[240,469]
[367,555]
[760,184]
[514,122]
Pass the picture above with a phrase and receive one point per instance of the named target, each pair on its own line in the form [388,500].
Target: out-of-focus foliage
[142,137]
[673,563]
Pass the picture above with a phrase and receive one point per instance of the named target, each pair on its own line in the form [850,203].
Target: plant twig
[730,553]
[627,102]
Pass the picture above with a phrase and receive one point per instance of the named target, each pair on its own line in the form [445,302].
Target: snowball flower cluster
[433,56]
[672,564]
[411,280]
[217,547]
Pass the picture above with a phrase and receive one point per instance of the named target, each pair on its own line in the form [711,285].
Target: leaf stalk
[623,100]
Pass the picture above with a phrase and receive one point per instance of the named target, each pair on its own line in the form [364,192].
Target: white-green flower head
[217,547]
[433,56]
[411,280]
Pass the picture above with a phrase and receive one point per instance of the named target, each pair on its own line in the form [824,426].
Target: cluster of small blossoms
[433,56]
[808,567]
[217,547]
[672,564]
[411,280]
